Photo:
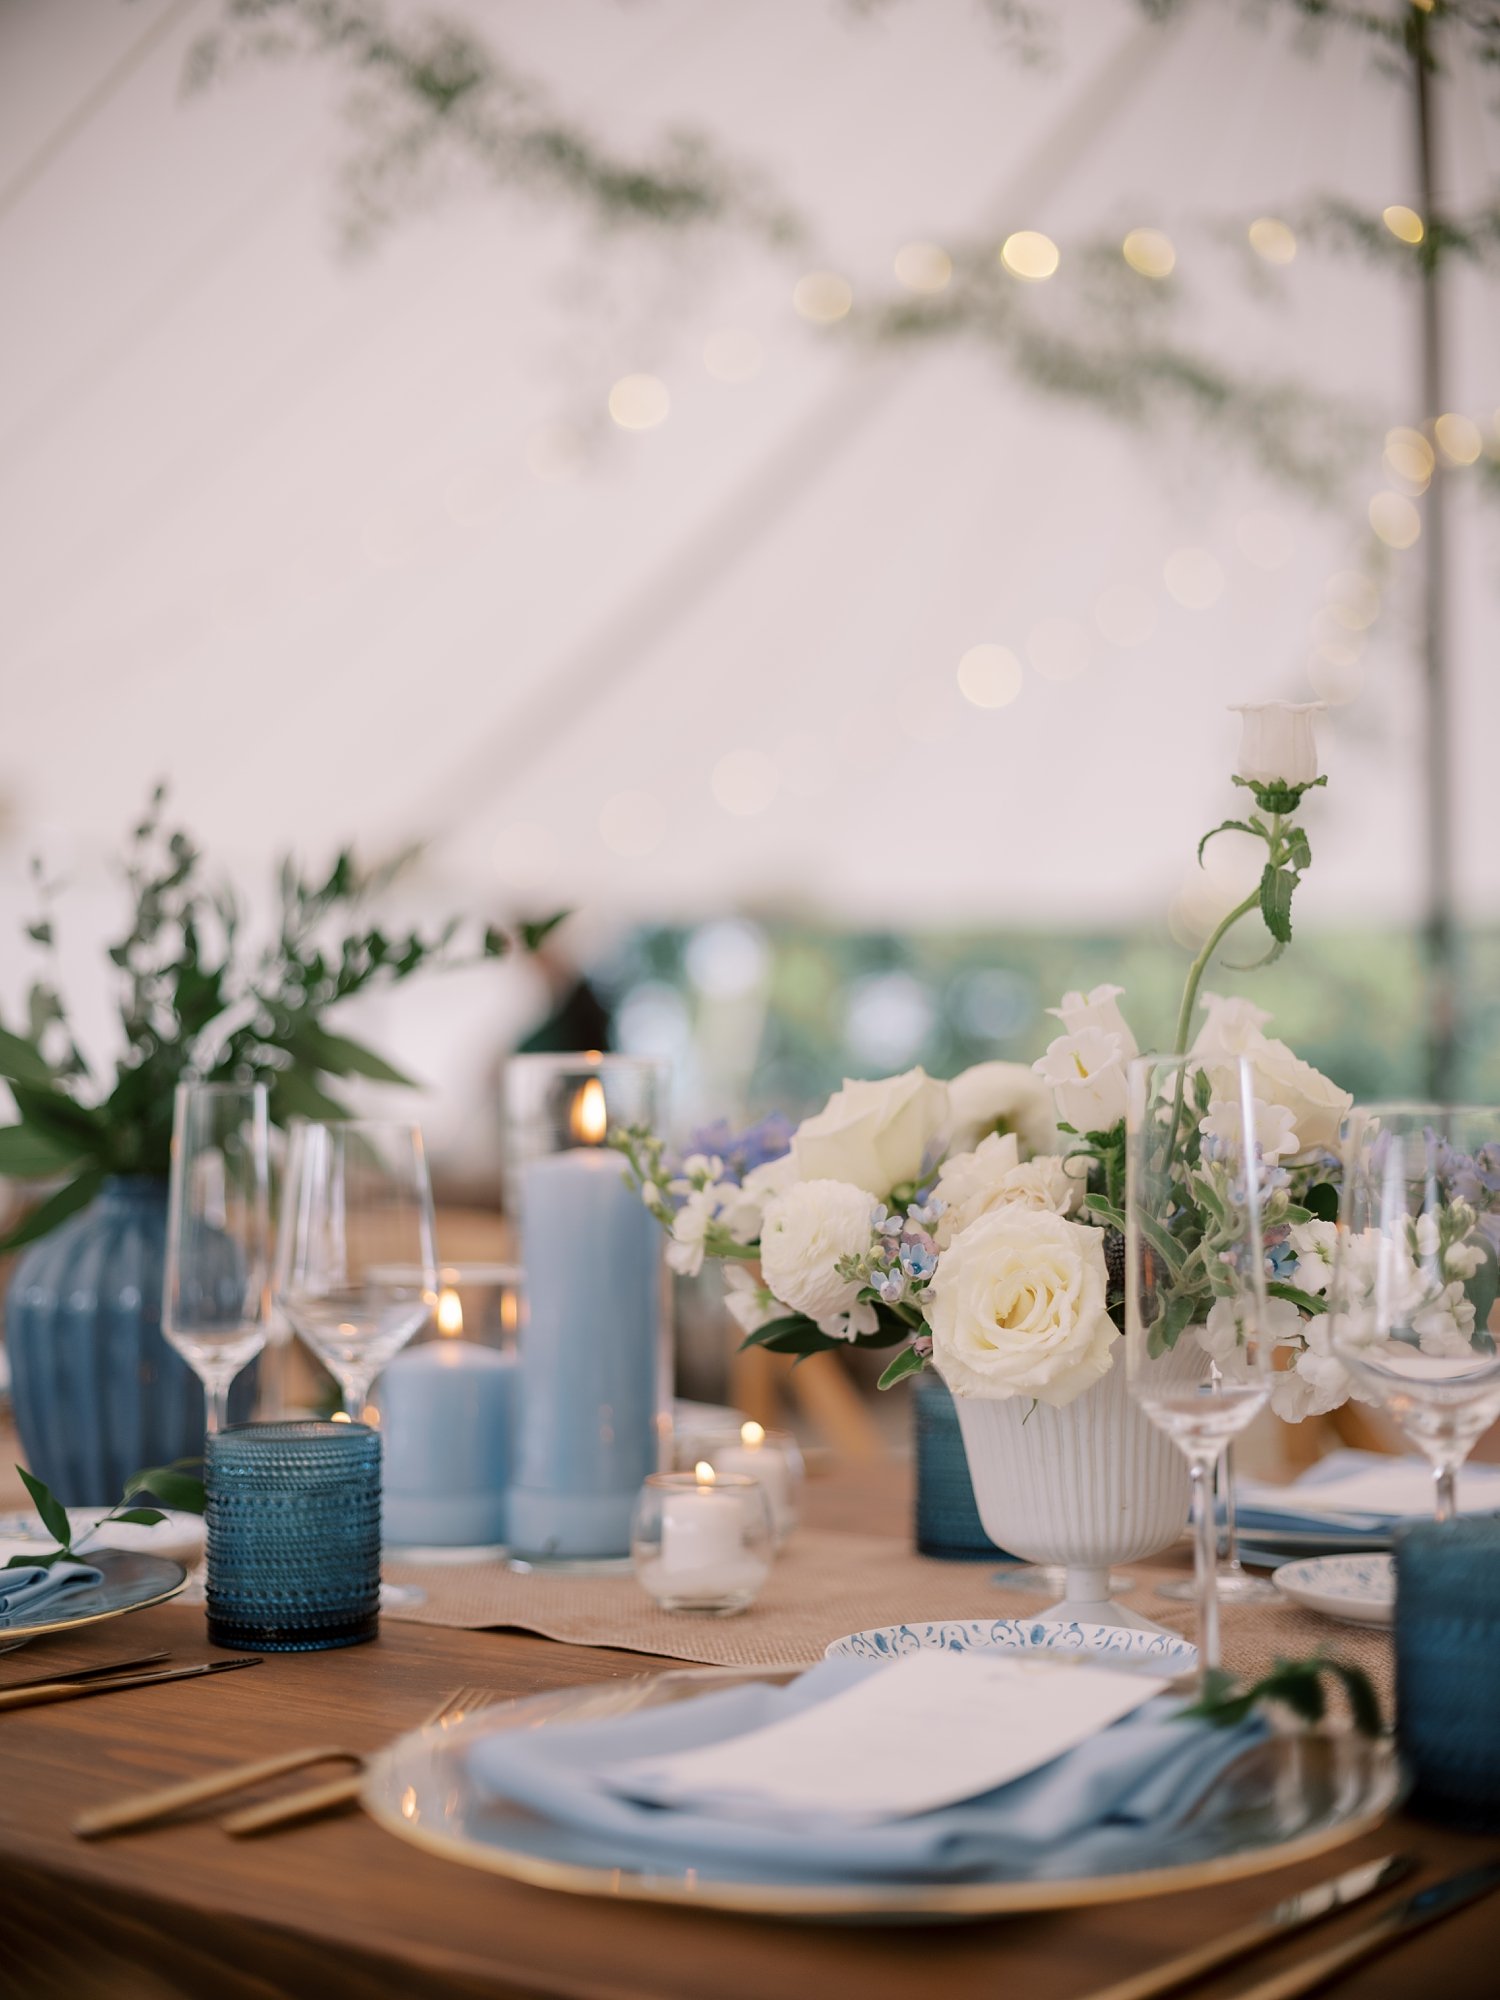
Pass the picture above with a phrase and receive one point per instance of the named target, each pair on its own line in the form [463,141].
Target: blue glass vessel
[1447,1643]
[947,1517]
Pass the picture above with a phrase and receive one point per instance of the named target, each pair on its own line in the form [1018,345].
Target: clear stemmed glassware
[1234,1582]
[356,1267]
[1198,1188]
[216,1293]
[1412,1311]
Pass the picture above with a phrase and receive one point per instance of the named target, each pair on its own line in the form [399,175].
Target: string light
[1273,239]
[1403,223]
[989,676]
[639,402]
[1028,254]
[1150,252]
[823,297]
[923,267]
[1459,439]
[1395,520]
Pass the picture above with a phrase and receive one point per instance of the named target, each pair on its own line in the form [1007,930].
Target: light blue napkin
[1110,1803]
[25,1592]
[1259,1518]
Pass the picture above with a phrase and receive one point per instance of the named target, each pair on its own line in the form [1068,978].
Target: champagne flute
[1199,1182]
[216,1302]
[1412,1298]
[356,1265]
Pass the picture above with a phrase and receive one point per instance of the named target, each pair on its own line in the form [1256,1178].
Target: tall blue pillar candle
[594,1373]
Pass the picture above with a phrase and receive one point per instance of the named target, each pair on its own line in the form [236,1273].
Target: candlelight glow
[703,1472]
[341,1417]
[753,1434]
[450,1311]
[589,1117]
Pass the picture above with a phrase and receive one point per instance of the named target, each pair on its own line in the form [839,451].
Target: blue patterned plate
[1359,1589]
[1162,1652]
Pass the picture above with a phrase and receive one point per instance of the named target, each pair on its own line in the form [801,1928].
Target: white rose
[1017,1308]
[993,1176]
[1097,1009]
[1274,1132]
[746,1299]
[876,1135]
[1277,742]
[808,1230]
[1087,1075]
[1002,1095]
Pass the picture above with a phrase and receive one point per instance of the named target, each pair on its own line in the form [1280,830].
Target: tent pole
[1438,924]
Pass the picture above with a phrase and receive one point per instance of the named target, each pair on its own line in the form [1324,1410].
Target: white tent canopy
[350,548]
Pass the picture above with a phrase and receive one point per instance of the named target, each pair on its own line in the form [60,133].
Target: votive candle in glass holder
[771,1457]
[701,1541]
[293,1526]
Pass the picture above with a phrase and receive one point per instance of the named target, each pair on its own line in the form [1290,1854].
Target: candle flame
[342,1417]
[753,1434]
[703,1472]
[450,1311]
[510,1311]
[589,1117]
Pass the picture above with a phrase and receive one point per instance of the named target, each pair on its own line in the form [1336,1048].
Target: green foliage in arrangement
[1297,1685]
[175,1485]
[197,1000]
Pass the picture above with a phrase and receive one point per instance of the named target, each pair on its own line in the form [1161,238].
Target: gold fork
[146,1808]
[315,1800]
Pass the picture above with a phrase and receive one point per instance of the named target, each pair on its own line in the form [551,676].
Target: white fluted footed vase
[1091,1484]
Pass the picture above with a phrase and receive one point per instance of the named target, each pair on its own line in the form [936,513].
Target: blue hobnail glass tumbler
[947,1522]
[1447,1642]
[293,1520]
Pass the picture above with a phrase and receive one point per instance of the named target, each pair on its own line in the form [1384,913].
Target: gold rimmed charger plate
[129,1582]
[1286,1800]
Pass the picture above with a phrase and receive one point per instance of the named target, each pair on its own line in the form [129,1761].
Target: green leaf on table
[907,1362]
[1276,886]
[1307,1302]
[57,1208]
[22,1061]
[1297,1685]
[140,1517]
[28,1154]
[174,1489]
[38,1561]
[54,1514]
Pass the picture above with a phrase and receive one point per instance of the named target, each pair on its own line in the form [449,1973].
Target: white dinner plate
[178,1538]
[1119,1645]
[1359,1589]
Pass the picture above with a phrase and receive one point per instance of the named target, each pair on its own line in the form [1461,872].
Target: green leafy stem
[173,1484]
[1296,1684]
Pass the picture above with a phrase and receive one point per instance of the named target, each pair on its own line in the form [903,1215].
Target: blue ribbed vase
[98,1393]
[947,1518]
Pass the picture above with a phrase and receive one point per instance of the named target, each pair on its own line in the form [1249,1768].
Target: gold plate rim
[968,1899]
[20,1633]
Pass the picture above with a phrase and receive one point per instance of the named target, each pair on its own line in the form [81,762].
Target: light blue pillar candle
[447,1412]
[595,1369]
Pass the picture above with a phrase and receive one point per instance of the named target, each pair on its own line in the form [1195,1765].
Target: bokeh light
[1395,520]
[1353,599]
[1409,456]
[923,267]
[989,676]
[1459,438]
[1404,223]
[1028,254]
[639,402]
[1273,239]
[1150,252]
[823,297]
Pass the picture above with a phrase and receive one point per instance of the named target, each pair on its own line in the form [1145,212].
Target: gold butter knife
[76,1690]
[1283,1921]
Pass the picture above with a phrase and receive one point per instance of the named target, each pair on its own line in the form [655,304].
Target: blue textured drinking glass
[947,1517]
[1447,1640]
[293,1519]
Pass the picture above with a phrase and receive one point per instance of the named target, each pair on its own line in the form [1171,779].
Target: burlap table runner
[823,1585]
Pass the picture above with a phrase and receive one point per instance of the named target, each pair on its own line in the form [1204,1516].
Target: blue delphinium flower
[742,1152]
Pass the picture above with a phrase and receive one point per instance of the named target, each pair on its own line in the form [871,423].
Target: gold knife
[66,1690]
[88,1673]
[1283,1921]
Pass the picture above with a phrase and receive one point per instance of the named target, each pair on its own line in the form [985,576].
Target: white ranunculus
[876,1135]
[1099,1008]
[1000,1096]
[1274,1133]
[1087,1075]
[994,1176]
[747,1300]
[1277,742]
[1234,1026]
[809,1229]
[1017,1308]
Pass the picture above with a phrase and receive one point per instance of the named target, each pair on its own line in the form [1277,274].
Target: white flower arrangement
[977,1223]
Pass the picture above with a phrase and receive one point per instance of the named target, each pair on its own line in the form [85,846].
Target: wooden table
[341,1909]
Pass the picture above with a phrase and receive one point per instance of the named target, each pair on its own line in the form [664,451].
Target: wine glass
[356,1270]
[216,1292]
[1200,1175]
[1412,1298]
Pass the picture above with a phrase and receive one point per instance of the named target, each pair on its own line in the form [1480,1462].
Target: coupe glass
[356,1271]
[1412,1298]
[216,1293]
[1197,1193]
